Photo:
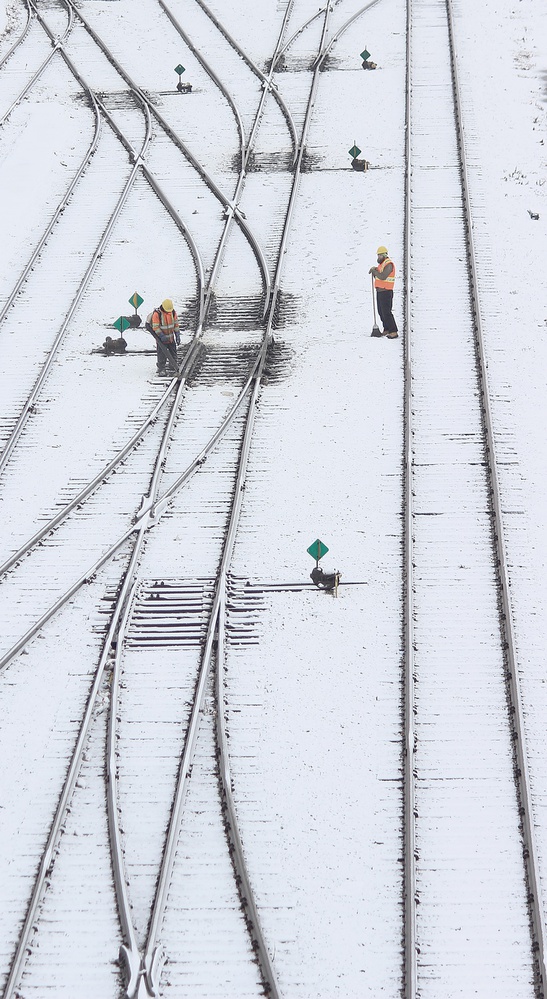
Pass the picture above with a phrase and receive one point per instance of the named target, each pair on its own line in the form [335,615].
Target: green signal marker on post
[365,55]
[122,324]
[136,300]
[317,550]
[354,152]
[183,88]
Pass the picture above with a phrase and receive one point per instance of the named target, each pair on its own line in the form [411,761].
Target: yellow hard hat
[381,249]
[167,305]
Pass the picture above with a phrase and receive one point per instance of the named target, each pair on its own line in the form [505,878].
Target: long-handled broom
[375,329]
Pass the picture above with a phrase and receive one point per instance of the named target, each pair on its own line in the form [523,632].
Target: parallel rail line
[499,560]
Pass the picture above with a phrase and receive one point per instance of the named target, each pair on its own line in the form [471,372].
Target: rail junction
[132,563]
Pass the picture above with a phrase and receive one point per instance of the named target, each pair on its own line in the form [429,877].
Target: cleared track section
[470,852]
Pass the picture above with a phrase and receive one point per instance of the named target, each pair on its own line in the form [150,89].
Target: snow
[314,698]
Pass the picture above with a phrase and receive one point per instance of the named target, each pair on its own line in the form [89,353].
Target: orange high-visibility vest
[388,283]
[165,324]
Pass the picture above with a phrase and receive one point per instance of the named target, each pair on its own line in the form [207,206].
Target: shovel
[375,329]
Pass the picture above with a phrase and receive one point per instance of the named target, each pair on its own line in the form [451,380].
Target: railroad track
[143,552]
[177,618]
[471,858]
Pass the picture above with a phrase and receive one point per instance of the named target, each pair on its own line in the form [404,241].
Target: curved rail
[152,958]
[55,832]
[298,32]
[79,174]
[227,203]
[203,305]
[138,164]
[210,72]
[30,402]
[146,975]
[21,38]
[297,170]
[347,24]
[265,79]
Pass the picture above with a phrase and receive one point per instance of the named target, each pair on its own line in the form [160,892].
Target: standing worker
[163,323]
[384,280]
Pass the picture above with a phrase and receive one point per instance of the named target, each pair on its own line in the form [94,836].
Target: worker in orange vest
[163,323]
[384,280]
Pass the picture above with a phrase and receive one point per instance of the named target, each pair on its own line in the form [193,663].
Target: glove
[177,338]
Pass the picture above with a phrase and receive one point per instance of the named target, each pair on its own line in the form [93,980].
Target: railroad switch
[328,581]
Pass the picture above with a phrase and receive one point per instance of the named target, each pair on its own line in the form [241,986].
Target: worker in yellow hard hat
[384,280]
[163,323]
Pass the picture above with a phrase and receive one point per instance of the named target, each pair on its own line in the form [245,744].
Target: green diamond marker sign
[317,550]
[122,324]
[354,152]
[365,55]
[136,300]
[180,69]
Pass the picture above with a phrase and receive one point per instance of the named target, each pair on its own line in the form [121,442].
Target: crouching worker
[163,323]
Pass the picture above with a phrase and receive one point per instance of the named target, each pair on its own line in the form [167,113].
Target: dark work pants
[171,349]
[384,298]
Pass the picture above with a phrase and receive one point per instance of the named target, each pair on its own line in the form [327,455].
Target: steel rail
[21,38]
[522,770]
[210,72]
[244,154]
[266,87]
[522,775]
[146,518]
[347,24]
[158,507]
[186,367]
[27,88]
[30,401]
[297,171]
[52,845]
[138,163]
[64,202]
[149,507]
[184,370]
[238,855]
[89,488]
[129,952]
[186,364]
[227,203]
[266,79]
[203,305]
[410,952]
[142,970]
[143,522]
[298,32]
[153,955]
[58,211]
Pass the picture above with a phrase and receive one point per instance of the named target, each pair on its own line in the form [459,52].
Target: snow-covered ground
[314,708]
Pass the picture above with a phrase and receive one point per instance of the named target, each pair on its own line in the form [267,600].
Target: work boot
[392,336]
